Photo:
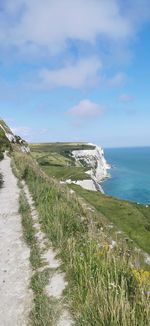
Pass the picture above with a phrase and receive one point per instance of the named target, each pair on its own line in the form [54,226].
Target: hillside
[4,141]
[9,140]
[88,251]
[58,161]
[104,269]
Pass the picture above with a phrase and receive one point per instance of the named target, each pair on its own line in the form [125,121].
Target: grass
[131,218]
[65,173]
[42,311]
[1,155]
[4,142]
[57,161]
[105,287]
[61,148]
[1,180]
[29,232]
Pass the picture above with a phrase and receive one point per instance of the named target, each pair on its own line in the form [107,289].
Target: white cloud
[125,98]
[83,73]
[86,109]
[51,23]
[39,29]
[117,79]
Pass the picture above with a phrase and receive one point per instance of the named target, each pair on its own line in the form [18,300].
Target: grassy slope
[133,219]
[105,289]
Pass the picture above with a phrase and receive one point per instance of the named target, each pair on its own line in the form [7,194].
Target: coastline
[98,168]
[130,174]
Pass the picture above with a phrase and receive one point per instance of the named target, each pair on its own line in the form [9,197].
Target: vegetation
[129,217]
[61,148]
[42,311]
[1,156]
[106,287]
[57,161]
[29,232]
[4,142]
[1,180]
[65,173]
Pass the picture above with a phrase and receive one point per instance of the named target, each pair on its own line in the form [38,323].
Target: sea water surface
[130,174]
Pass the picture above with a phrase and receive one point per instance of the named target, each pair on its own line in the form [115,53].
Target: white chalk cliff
[96,163]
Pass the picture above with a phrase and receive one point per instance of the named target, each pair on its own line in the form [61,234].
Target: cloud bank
[50,24]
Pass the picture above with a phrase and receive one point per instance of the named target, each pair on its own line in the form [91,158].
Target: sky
[76,70]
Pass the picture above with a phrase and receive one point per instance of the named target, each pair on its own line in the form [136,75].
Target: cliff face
[94,160]
[7,137]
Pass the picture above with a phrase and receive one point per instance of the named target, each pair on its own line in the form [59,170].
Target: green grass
[42,312]
[1,155]
[103,287]
[57,161]
[61,148]
[133,219]
[3,124]
[4,142]
[29,232]
[65,173]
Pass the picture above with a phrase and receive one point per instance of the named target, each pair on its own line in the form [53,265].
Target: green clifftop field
[57,161]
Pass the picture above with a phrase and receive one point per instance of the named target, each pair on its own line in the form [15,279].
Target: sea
[130,174]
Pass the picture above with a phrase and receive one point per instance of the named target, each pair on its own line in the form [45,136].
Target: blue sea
[130,174]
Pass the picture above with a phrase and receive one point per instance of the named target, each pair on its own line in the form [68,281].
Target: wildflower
[112,245]
[142,277]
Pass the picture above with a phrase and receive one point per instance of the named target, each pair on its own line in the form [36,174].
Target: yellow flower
[142,277]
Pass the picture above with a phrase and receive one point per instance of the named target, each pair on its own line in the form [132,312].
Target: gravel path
[15,273]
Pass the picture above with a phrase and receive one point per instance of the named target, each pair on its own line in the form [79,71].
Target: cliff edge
[94,160]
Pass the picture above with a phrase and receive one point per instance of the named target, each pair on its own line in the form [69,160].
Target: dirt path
[15,273]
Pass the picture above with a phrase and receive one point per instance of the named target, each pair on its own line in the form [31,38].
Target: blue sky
[76,70]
